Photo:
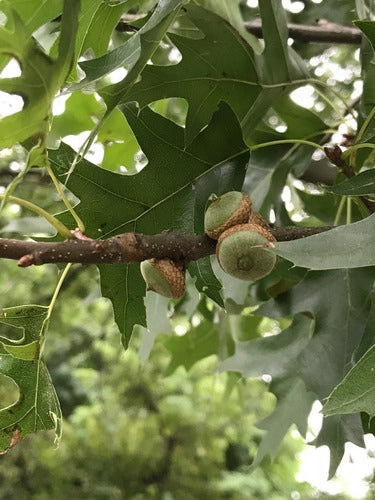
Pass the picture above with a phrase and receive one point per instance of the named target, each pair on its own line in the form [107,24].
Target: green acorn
[243,251]
[164,276]
[228,210]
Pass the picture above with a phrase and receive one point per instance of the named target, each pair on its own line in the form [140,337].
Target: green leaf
[37,407]
[293,407]
[323,206]
[357,390]
[206,280]
[335,432]
[113,204]
[87,13]
[206,74]
[125,287]
[361,184]
[195,345]
[221,66]
[368,28]
[339,326]
[35,13]
[348,246]
[79,115]
[275,355]
[102,25]
[279,63]
[134,53]
[230,11]
[41,76]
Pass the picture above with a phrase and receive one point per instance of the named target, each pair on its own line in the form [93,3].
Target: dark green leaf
[230,11]
[113,204]
[368,28]
[361,184]
[219,66]
[337,431]
[280,63]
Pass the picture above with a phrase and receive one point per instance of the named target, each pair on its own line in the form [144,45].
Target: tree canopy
[133,117]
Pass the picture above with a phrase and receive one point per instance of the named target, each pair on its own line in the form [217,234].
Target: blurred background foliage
[129,431]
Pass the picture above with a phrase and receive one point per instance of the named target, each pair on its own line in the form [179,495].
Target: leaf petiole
[57,290]
[65,200]
[59,226]
[287,141]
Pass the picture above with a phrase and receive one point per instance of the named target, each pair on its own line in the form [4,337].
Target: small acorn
[228,210]
[164,276]
[243,252]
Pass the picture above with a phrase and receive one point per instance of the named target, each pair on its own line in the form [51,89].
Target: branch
[128,247]
[325,32]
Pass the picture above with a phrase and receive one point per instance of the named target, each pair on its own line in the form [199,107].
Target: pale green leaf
[37,407]
[349,246]
[274,355]
[356,392]
[293,407]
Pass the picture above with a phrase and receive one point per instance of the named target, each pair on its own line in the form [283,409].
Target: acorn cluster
[242,250]
[244,241]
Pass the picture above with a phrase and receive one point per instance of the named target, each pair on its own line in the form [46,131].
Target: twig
[334,154]
[324,33]
[127,247]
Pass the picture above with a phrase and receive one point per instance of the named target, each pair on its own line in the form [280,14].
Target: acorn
[228,210]
[243,251]
[164,276]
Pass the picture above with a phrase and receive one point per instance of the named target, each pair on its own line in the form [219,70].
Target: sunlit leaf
[41,76]
[37,407]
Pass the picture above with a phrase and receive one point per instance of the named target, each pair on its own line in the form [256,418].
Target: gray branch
[325,32]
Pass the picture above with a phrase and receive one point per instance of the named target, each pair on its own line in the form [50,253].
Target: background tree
[174,101]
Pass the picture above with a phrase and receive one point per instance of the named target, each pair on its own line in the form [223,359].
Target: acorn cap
[243,251]
[164,276]
[226,211]
[256,218]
